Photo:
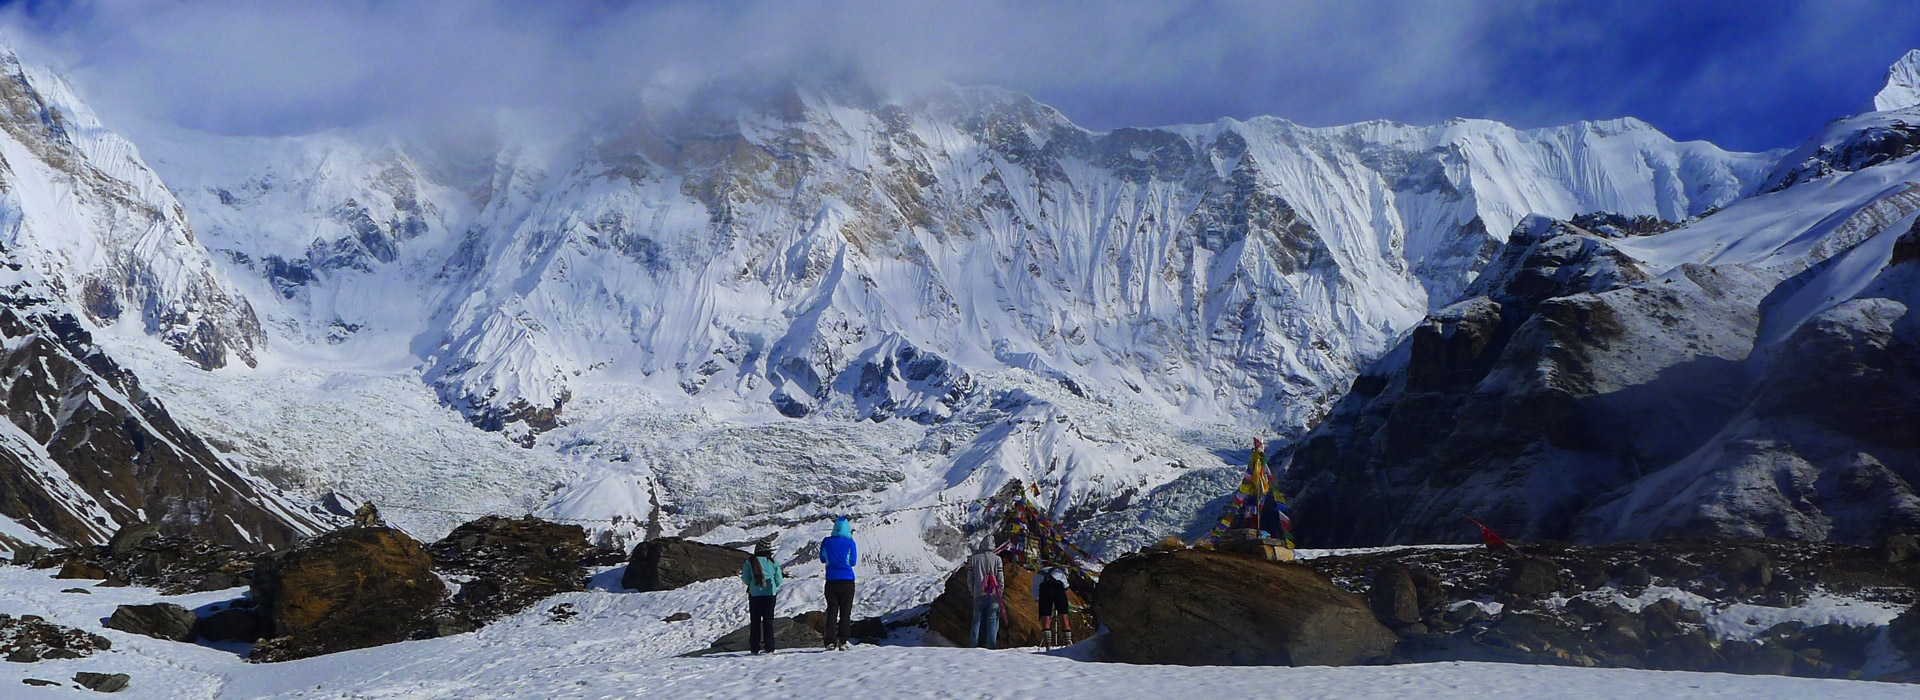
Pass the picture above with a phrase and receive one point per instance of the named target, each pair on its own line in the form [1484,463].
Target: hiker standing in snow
[986,577]
[1050,590]
[839,554]
[762,576]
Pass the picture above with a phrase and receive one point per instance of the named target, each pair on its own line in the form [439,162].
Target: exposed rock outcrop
[506,564]
[1194,607]
[29,638]
[105,452]
[667,563]
[157,620]
[347,589]
[138,554]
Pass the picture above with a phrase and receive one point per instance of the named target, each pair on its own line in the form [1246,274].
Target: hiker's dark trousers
[839,611]
[760,622]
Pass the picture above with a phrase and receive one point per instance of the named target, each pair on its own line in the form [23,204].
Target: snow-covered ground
[619,646]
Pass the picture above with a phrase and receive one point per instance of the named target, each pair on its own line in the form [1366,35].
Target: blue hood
[842,528]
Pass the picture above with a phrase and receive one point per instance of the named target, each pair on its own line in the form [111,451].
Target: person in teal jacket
[763,578]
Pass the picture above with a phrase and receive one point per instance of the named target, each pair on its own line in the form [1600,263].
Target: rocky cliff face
[1747,374]
[87,450]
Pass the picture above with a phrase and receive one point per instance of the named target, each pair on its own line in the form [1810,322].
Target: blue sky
[1747,75]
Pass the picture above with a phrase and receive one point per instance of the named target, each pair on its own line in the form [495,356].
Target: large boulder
[346,589]
[1532,577]
[951,614]
[511,564]
[1197,607]
[158,620]
[1393,596]
[667,563]
[1746,569]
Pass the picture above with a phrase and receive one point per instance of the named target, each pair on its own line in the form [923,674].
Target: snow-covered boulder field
[607,641]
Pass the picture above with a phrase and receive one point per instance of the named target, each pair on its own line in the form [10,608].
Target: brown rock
[1393,597]
[951,614]
[346,589]
[1209,608]
[76,569]
[667,563]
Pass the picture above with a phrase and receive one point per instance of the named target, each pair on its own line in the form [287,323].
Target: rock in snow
[1193,607]
[670,562]
[347,589]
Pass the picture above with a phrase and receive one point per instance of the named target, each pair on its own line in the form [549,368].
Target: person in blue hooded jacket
[838,552]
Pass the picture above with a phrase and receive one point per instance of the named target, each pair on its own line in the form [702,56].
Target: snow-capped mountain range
[769,304]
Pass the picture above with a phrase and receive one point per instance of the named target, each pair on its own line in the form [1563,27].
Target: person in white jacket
[1050,590]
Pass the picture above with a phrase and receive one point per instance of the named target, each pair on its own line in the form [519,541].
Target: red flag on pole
[1487,535]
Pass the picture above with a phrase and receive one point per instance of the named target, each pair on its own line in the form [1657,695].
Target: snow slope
[618,646]
[1903,85]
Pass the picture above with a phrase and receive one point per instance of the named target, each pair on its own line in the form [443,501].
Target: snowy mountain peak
[1903,84]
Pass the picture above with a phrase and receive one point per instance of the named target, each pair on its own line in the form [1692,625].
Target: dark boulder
[788,633]
[1899,547]
[1622,635]
[1532,577]
[102,682]
[1746,570]
[233,625]
[951,614]
[1636,576]
[158,620]
[346,589]
[1835,643]
[81,570]
[1662,619]
[513,563]
[667,563]
[1764,657]
[1429,589]
[1542,636]
[27,554]
[1393,597]
[129,537]
[1905,633]
[1691,651]
[1197,607]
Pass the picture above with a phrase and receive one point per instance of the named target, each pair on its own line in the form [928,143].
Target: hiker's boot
[1046,638]
[1065,637]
